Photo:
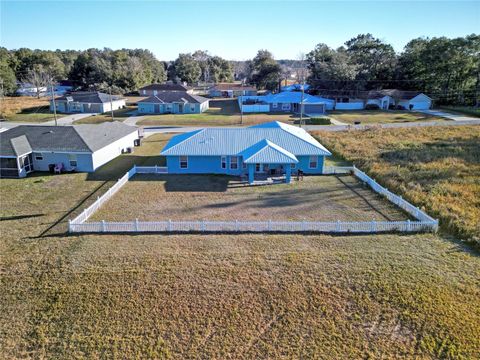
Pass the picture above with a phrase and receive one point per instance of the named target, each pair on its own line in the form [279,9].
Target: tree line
[446,69]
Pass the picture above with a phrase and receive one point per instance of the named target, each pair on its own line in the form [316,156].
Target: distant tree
[187,68]
[267,73]
[8,82]
[374,59]
[39,78]
[330,69]
[220,69]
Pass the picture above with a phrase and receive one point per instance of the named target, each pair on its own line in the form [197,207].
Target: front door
[258,168]
[180,108]
[26,163]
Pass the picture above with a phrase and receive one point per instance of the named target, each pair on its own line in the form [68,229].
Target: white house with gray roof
[88,102]
[173,102]
[82,148]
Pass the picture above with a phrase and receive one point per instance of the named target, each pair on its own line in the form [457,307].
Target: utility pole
[111,103]
[1,98]
[53,102]
[241,110]
[301,103]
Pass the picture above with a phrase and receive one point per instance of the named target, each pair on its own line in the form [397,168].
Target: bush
[372,107]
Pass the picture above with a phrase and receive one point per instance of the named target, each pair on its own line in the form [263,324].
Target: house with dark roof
[173,102]
[271,148]
[154,89]
[84,148]
[231,90]
[87,102]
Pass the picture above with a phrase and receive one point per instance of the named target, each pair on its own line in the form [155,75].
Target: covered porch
[268,163]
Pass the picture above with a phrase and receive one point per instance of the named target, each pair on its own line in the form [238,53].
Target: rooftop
[165,87]
[92,97]
[166,97]
[282,138]
[79,138]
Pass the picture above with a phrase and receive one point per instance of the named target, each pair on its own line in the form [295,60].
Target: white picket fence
[425,223]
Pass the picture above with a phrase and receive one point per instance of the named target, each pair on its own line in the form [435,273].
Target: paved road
[454,117]
[132,120]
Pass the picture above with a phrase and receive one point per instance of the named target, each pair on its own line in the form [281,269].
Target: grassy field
[381,117]
[223,296]
[437,168]
[177,197]
[222,112]
[26,109]
[119,114]
[464,110]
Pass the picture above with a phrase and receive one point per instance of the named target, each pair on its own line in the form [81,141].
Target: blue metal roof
[233,141]
[295,87]
[267,152]
[295,97]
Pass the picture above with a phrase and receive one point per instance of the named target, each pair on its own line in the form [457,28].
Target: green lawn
[381,116]
[464,110]
[119,114]
[222,296]
[33,115]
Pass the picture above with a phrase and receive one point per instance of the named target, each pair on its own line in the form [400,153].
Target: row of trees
[447,69]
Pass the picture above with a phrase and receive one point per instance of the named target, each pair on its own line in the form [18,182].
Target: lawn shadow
[188,183]
[20,217]
[116,168]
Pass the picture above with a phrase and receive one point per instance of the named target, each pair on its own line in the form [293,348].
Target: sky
[234,30]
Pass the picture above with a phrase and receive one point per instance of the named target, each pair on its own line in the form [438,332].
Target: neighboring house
[27,89]
[154,89]
[88,102]
[288,101]
[384,99]
[230,90]
[173,102]
[270,148]
[295,87]
[84,148]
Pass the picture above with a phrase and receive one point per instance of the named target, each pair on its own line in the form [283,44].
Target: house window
[274,105]
[183,162]
[293,166]
[155,92]
[192,108]
[72,158]
[244,165]
[233,162]
[313,162]
[38,156]
[144,92]
[285,106]
[223,162]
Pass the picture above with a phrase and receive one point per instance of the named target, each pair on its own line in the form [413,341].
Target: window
[223,162]
[192,108]
[38,156]
[72,158]
[155,92]
[313,162]
[274,105]
[285,106]
[183,162]
[293,166]
[233,162]
[244,165]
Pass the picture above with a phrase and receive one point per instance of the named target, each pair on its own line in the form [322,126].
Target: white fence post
[202,225]
[269,228]
[169,227]
[69,225]
[136,225]
[409,226]
[372,227]
[237,227]
[304,225]
[337,227]
[104,227]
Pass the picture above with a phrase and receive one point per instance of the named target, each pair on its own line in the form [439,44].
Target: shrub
[319,121]
[372,107]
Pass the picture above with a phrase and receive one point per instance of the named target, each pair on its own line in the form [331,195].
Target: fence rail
[424,223]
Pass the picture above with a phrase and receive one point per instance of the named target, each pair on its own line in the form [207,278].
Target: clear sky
[234,30]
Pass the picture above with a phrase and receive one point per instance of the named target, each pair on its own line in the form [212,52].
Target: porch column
[251,171]
[288,174]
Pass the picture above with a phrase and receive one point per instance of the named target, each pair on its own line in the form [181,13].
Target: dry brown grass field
[25,109]
[204,197]
[437,168]
[221,296]
[382,117]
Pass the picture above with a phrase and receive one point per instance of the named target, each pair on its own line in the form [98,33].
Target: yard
[26,109]
[118,115]
[222,112]
[435,167]
[208,197]
[223,296]
[381,116]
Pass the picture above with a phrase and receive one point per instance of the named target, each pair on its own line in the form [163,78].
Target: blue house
[287,101]
[272,149]
[173,102]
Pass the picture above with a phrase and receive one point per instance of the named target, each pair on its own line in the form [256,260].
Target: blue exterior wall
[84,161]
[212,165]
[149,108]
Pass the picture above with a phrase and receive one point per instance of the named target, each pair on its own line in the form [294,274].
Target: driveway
[67,120]
[450,116]
[132,120]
